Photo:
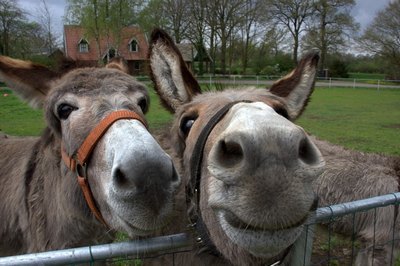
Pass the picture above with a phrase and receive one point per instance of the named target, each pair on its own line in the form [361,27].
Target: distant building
[132,46]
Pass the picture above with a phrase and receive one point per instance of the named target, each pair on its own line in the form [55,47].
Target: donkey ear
[31,82]
[118,63]
[298,85]
[173,80]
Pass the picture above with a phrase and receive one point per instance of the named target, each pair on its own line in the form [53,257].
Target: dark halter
[193,187]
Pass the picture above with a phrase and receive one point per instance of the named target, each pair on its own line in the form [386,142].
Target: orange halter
[78,161]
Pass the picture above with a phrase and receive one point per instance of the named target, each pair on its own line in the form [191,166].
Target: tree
[291,14]
[171,15]
[197,29]
[46,22]
[382,37]
[27,39]
[10,16]
[152,16]
[224,16]
[331,24]
[178,13]
[249,29]
[102,19]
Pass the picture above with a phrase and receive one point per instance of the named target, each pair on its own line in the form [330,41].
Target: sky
[364,11]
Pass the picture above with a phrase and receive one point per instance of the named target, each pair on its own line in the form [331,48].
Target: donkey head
[250,177]
[131,179]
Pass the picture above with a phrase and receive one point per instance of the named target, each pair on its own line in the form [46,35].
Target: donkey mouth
[143,228]
[257,240]
[236,222]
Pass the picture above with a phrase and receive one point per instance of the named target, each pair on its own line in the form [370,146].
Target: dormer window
[83,46]
[133,46]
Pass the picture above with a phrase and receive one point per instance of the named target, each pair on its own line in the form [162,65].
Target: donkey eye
[64,110]
[186,125]
[143,105]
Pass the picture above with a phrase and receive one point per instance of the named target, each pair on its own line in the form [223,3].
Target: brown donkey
[95,148]
[352,175]
[247,168]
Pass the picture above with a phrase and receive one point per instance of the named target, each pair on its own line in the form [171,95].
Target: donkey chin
[141,218]
[259,242]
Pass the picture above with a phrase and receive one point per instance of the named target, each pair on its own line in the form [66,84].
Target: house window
[110,54]
[133,46]
[83,46]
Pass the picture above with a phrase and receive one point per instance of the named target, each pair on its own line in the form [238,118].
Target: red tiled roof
[73,34]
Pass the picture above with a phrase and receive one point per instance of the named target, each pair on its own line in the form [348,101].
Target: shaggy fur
[352,175]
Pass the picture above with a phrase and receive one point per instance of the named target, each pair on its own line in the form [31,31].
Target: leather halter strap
[193,187]
[78,161]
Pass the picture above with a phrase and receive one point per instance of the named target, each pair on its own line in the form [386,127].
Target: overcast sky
[364,11]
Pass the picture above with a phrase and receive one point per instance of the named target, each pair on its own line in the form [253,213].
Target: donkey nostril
[119,177]
[307,152]
[230,153]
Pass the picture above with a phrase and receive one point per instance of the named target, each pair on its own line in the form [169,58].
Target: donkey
[96,140]
[247,168]
[352,175]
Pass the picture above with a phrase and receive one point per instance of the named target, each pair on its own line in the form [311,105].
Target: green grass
[18,118]
[361,119]
[366,76]
[157,115]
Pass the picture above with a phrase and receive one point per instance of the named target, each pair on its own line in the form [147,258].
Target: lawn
[18,118]
[362,119]
[366,76]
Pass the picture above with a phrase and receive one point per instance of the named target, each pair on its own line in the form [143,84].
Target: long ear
[29,81]
[172,79]
[298,85]
[118,63]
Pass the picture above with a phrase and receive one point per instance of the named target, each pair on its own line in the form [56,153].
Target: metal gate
[139,249]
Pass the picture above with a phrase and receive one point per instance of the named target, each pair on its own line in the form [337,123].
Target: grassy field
[19,119]
[366,76]
[362,119]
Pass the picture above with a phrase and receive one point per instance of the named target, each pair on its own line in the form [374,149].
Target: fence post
[354,83]
[210,81]
[301,255]
[379,84]
[330,83]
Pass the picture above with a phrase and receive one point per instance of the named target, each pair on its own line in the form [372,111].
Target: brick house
[133,46]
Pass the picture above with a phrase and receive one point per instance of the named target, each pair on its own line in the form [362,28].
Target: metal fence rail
[138,248]
[333,211]
[171,243]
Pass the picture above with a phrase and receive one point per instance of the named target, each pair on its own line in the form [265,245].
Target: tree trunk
[295,47]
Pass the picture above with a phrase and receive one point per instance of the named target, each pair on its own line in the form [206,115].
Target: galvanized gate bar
[137,248]
[171,243]
[327,213]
